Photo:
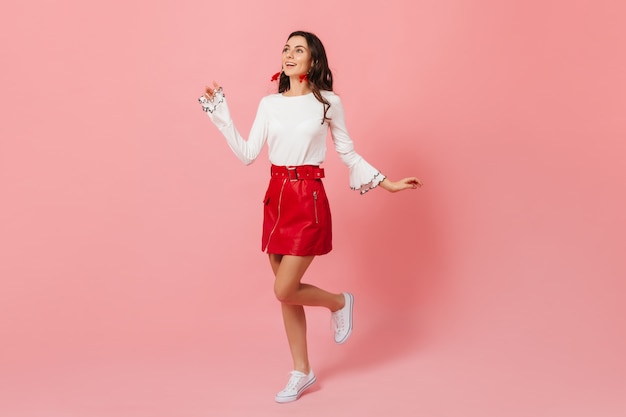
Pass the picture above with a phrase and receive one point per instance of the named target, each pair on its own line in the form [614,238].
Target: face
[296,56]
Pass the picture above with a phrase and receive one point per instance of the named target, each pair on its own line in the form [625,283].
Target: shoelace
[337,323]
[294,381]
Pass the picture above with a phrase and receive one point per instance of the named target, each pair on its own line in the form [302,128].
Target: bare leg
[288,289]
[293,295]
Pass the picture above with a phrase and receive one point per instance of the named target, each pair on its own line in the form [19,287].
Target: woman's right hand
[209,92]
[213,103]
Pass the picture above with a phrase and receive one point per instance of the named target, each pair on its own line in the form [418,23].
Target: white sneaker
[343,319]
[298,382]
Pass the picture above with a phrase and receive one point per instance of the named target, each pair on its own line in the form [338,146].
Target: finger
[216,86]
[413,182]
[416,181]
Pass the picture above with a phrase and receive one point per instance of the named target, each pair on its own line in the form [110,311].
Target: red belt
[300,172]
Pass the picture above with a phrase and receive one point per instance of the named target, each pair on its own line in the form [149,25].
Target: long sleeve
[292,129]
[363,176]
[246,150]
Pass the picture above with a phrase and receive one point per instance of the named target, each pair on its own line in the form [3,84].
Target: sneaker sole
[295,397]
[339,342]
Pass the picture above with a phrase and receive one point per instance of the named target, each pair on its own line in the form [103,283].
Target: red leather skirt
[296,216]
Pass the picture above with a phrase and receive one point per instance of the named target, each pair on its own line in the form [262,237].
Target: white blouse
[295,134]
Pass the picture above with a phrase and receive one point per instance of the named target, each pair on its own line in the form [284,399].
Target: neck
[297,88]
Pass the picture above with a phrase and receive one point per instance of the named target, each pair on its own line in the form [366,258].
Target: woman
[297,223]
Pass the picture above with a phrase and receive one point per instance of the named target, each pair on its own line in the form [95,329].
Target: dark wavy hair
[320,75]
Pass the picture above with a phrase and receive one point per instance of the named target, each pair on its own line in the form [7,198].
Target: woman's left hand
[409,183]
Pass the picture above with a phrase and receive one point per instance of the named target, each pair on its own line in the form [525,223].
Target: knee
[283,294]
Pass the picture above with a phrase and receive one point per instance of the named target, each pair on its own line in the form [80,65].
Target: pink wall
[128,230]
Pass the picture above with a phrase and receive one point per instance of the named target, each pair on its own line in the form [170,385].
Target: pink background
[132,282]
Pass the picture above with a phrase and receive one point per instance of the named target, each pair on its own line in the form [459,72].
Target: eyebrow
[297,46]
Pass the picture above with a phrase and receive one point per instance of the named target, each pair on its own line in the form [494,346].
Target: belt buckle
[295,172]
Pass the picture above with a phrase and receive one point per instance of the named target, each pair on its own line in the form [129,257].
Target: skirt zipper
[315,206]
[280,200]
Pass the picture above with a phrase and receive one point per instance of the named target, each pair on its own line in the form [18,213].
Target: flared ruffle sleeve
[363,176]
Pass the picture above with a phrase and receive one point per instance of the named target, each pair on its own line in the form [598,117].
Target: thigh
[290,270]
[275,261]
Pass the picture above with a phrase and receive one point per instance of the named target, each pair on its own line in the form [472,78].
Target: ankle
[340,302]
[304,369]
